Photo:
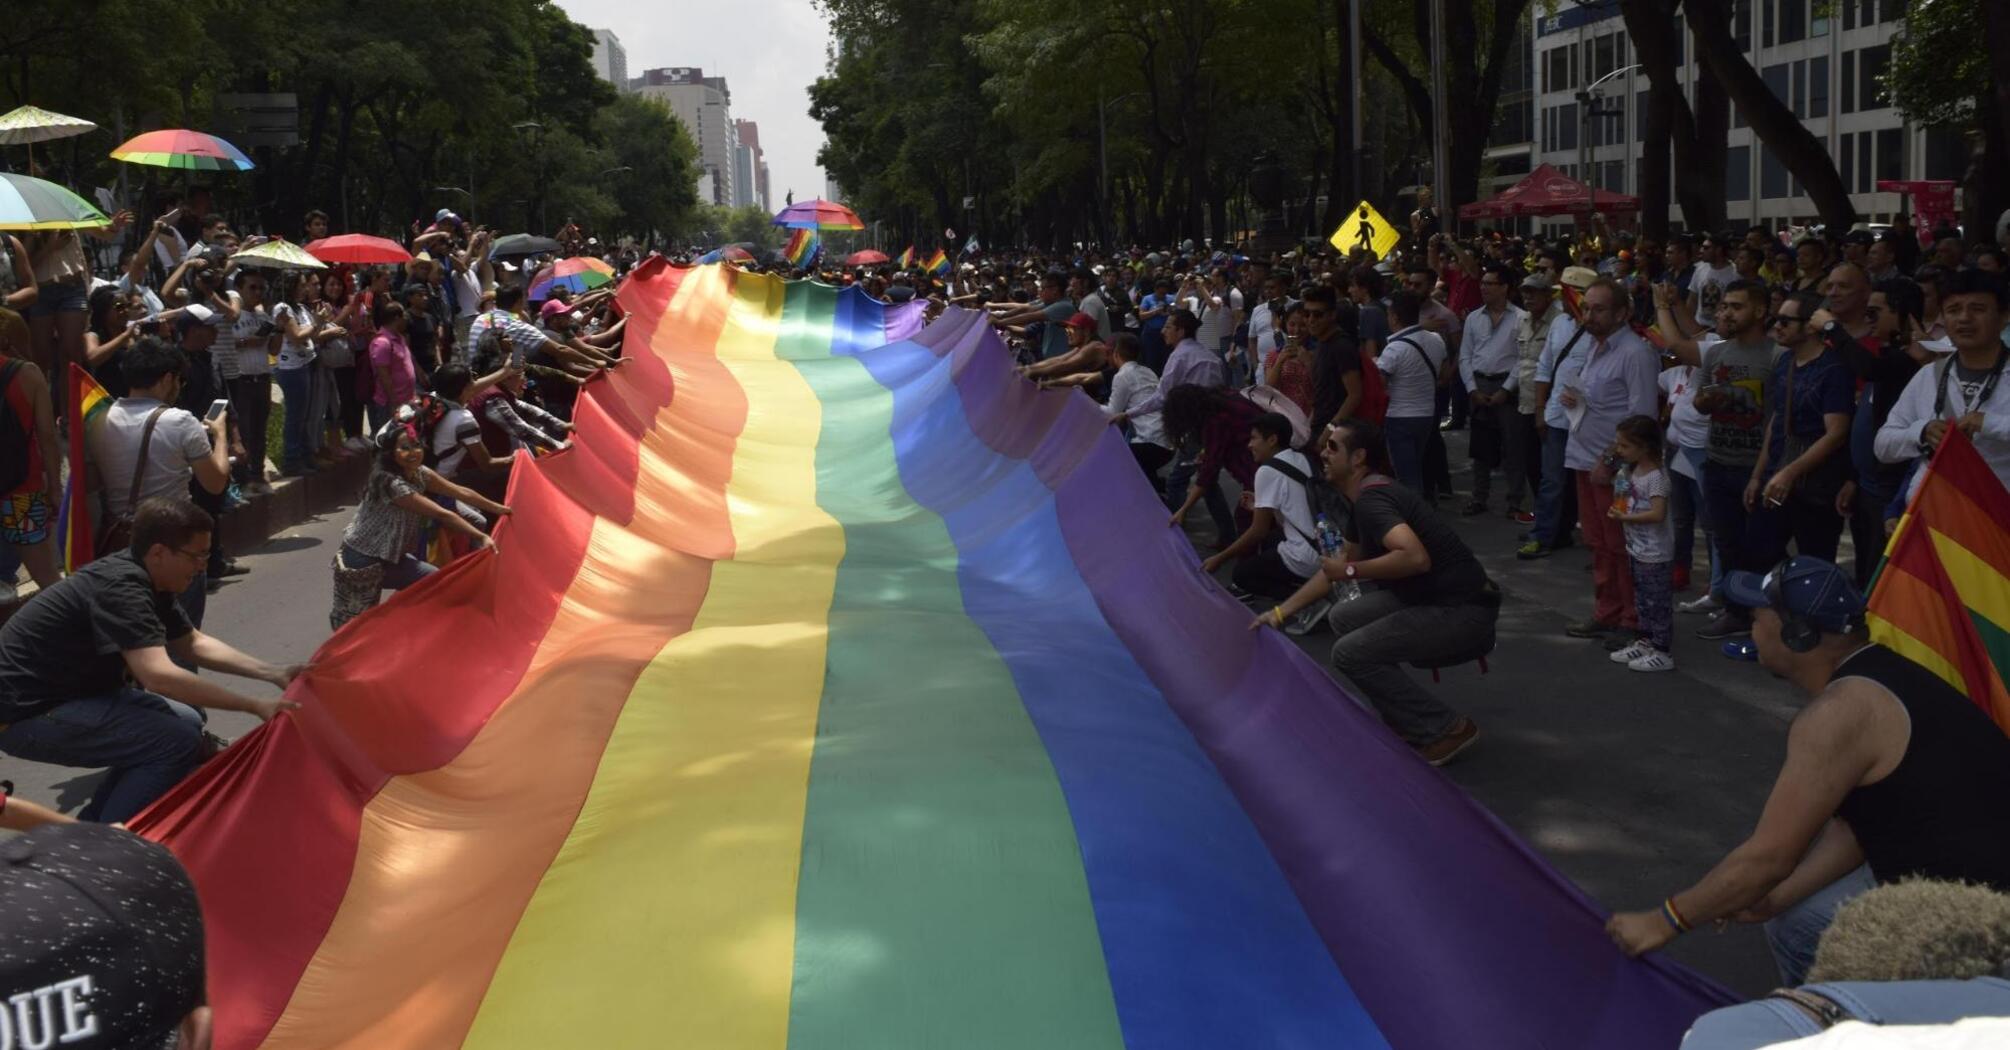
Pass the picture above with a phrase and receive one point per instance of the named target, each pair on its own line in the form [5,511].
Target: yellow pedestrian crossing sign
[1365,228]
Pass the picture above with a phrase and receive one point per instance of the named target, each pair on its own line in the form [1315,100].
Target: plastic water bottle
[1347,591]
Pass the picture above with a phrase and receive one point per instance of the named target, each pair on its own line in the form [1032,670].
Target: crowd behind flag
[1942,596]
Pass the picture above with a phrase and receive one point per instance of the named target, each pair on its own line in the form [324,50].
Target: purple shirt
[391,359]
[1620,378]
[1190,363]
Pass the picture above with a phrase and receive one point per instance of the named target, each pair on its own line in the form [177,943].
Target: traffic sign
[1365,228]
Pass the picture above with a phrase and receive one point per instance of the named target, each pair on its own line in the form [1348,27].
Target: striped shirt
[524,339]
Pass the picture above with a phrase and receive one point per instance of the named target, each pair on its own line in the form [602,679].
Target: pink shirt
[392,361]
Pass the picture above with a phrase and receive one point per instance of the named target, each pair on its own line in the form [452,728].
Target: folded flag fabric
[88,403]
[803,248]
[1942,596]
[848,692]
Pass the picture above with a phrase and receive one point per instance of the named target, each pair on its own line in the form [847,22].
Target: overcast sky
[769,51]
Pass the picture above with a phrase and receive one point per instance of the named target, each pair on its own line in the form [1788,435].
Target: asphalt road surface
[1632,784]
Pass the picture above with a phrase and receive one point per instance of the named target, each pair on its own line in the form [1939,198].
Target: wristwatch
[1350,572]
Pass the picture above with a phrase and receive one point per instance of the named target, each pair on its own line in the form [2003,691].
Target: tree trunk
[1701,146]
[1806,156]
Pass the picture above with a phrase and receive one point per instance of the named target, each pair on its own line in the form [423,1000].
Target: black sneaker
[1726,624]
[1473,509]
[1593,628]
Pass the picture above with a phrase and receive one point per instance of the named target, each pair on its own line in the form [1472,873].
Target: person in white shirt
[1132,384]
[1410,363]
[1220,311]
[1280,507]
[1490,368]
[1711,275]
[1963,391]
[1687,442]
[1266,321]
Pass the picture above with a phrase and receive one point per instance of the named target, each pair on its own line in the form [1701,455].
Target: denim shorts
[69,297]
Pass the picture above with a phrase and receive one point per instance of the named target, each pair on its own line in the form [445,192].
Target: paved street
[1630,783]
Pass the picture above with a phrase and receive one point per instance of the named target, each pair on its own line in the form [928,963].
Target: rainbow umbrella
[188,150]
[29,203]
[358,249]
[581,273]
[819,215]
[278,255]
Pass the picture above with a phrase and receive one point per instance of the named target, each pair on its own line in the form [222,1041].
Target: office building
[704,105]
[750,139]
[1823,61]
[610,59]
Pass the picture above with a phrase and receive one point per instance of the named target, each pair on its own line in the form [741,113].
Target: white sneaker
[1653,660]
[1707,604]
[1309,618]
[1631,653]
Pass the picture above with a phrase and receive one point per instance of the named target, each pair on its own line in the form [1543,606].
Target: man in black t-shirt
[1427,599]
[66,656]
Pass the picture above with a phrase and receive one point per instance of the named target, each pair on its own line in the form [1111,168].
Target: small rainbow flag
[88,403]
[1942,597]
[803,248]
[784,733]
[906,258]
[938,263]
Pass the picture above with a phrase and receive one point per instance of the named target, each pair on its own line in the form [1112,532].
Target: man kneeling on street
[65,658]
[1890,774]
[1426,599]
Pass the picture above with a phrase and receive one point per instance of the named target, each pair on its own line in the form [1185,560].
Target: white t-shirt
[1706,290]
[293,353]
[1287,499]
[1687,427]
[178,441]
[1218,322]
[1262,322]
[1093,305]
[467,292]
[252,359]
[456,431]
[1647,542]
[1412,377]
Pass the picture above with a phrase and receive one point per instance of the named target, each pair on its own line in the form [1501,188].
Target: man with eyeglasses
[65,658]
[1803,459]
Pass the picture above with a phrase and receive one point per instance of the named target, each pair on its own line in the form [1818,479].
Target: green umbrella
[29,203]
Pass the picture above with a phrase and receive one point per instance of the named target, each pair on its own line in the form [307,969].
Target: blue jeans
[1794,932]
[1408,438]
[1745,541]
[1774,1022]
[1557,489]
[297,386]
[148,742]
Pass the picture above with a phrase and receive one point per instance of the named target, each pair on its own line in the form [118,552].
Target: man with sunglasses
[1803,459]
[66,656]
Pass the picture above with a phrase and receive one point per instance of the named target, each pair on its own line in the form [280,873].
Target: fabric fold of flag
[1942,596]
[87,405]
[841,689]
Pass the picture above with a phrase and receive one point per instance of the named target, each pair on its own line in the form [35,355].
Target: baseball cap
[1810,588]
[446,215]
[1080,320]
[104,935]
[553,306]
[1579,277]
[1537,283]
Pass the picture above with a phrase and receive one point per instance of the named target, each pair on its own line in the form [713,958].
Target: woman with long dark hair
[1218,420]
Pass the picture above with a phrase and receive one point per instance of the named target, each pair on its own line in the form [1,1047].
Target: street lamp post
[535,131]
[1588,100]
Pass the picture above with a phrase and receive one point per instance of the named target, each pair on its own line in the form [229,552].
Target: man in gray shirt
[1731,389]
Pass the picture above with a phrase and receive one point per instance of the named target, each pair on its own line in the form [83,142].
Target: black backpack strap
[1304,482]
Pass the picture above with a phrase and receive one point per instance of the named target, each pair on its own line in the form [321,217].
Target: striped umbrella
[278,255]
[34,124]
[581,273]
[29,203]
[188,150]
[819,215]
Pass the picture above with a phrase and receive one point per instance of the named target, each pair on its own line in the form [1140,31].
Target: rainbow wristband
[1673,916]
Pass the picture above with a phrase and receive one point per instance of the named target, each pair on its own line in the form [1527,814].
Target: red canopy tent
[1547,191]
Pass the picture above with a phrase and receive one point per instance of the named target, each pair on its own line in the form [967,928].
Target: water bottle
[1347,591]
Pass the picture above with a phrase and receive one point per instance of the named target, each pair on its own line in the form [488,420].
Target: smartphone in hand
[216,410]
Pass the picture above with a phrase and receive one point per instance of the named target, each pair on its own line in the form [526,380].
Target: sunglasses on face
[1780,319]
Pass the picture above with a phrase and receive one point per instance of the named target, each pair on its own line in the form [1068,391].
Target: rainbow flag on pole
[1942,596]
[803,248]
[906,259]
[88,403]
[839,689]
[938,263]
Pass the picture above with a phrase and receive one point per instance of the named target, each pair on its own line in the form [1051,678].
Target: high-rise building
[610,59]
[704,105]
[750,138]
[1823,62]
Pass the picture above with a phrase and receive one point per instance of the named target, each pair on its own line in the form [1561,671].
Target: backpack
[13,435]
[1374,406]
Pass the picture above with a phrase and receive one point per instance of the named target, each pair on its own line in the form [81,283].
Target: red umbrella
[865,258]
[358,248]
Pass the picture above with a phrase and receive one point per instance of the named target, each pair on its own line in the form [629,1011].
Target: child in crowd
[1641,504]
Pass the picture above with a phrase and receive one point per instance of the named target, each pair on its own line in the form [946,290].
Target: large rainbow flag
[839,689]
[1942,596]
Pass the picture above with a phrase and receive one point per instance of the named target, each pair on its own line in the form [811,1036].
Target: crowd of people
[1709,416]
